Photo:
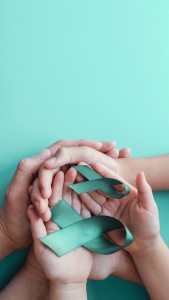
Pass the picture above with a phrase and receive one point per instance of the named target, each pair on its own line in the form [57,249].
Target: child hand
[70,268]
[138,212]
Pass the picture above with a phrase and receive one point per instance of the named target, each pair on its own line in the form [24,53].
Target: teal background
[84,69]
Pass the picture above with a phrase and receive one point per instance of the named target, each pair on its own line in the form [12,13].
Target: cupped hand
[14,223]
[138,210]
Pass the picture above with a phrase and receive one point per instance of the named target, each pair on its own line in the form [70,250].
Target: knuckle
[62,151]
[34,197]
[24,164]
[8,193]
[98,210]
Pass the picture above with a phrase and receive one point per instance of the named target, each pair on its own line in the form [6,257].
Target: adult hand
[14,224]
[107,147]
[74,155]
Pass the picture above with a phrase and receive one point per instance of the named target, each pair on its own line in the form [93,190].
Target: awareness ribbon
[76,231]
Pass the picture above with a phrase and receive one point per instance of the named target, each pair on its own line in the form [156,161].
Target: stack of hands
[25,216]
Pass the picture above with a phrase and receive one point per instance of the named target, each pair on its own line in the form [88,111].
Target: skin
[118,264]
[155,168]
[29,283]
[72,284]
[14,225]
[140,215]
[68,156]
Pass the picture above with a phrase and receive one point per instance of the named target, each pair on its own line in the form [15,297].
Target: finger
[97,196]
[24,173]
[30,189]
[107,146]
[69,179]
[91,205]
[74,155]
[57,189]
[45,179]
[145,195]
[125,153]
[36,224]
[85,213]
[39,203]
[46,216]
[71,156]
[76,203]
[74,143]
[114,153]
[108,173]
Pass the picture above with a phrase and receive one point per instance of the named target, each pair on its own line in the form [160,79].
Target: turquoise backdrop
[84,69]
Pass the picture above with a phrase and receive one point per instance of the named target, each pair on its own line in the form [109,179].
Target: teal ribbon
[77,231]
[97,182]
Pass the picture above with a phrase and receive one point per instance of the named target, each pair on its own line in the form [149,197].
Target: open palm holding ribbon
[119,264]
[138,212]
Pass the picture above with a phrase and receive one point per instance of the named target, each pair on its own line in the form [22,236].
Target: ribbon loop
[96,182]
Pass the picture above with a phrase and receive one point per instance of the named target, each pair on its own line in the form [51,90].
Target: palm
[70,267]
[133,207]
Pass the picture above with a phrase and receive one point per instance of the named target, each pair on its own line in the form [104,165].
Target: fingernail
[99,144]
[46,193]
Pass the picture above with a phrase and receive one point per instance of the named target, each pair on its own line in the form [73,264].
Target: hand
[14,223]
[118,264]
[109,148]
[67,269]
[74,155]
[35,270]
[71,155]
[138,212]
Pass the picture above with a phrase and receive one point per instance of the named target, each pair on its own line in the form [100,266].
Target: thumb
[145,195]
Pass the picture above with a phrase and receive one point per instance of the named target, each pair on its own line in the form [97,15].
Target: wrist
[37,285]
[145,250]
[5,246]
[124,169]
[69,291]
